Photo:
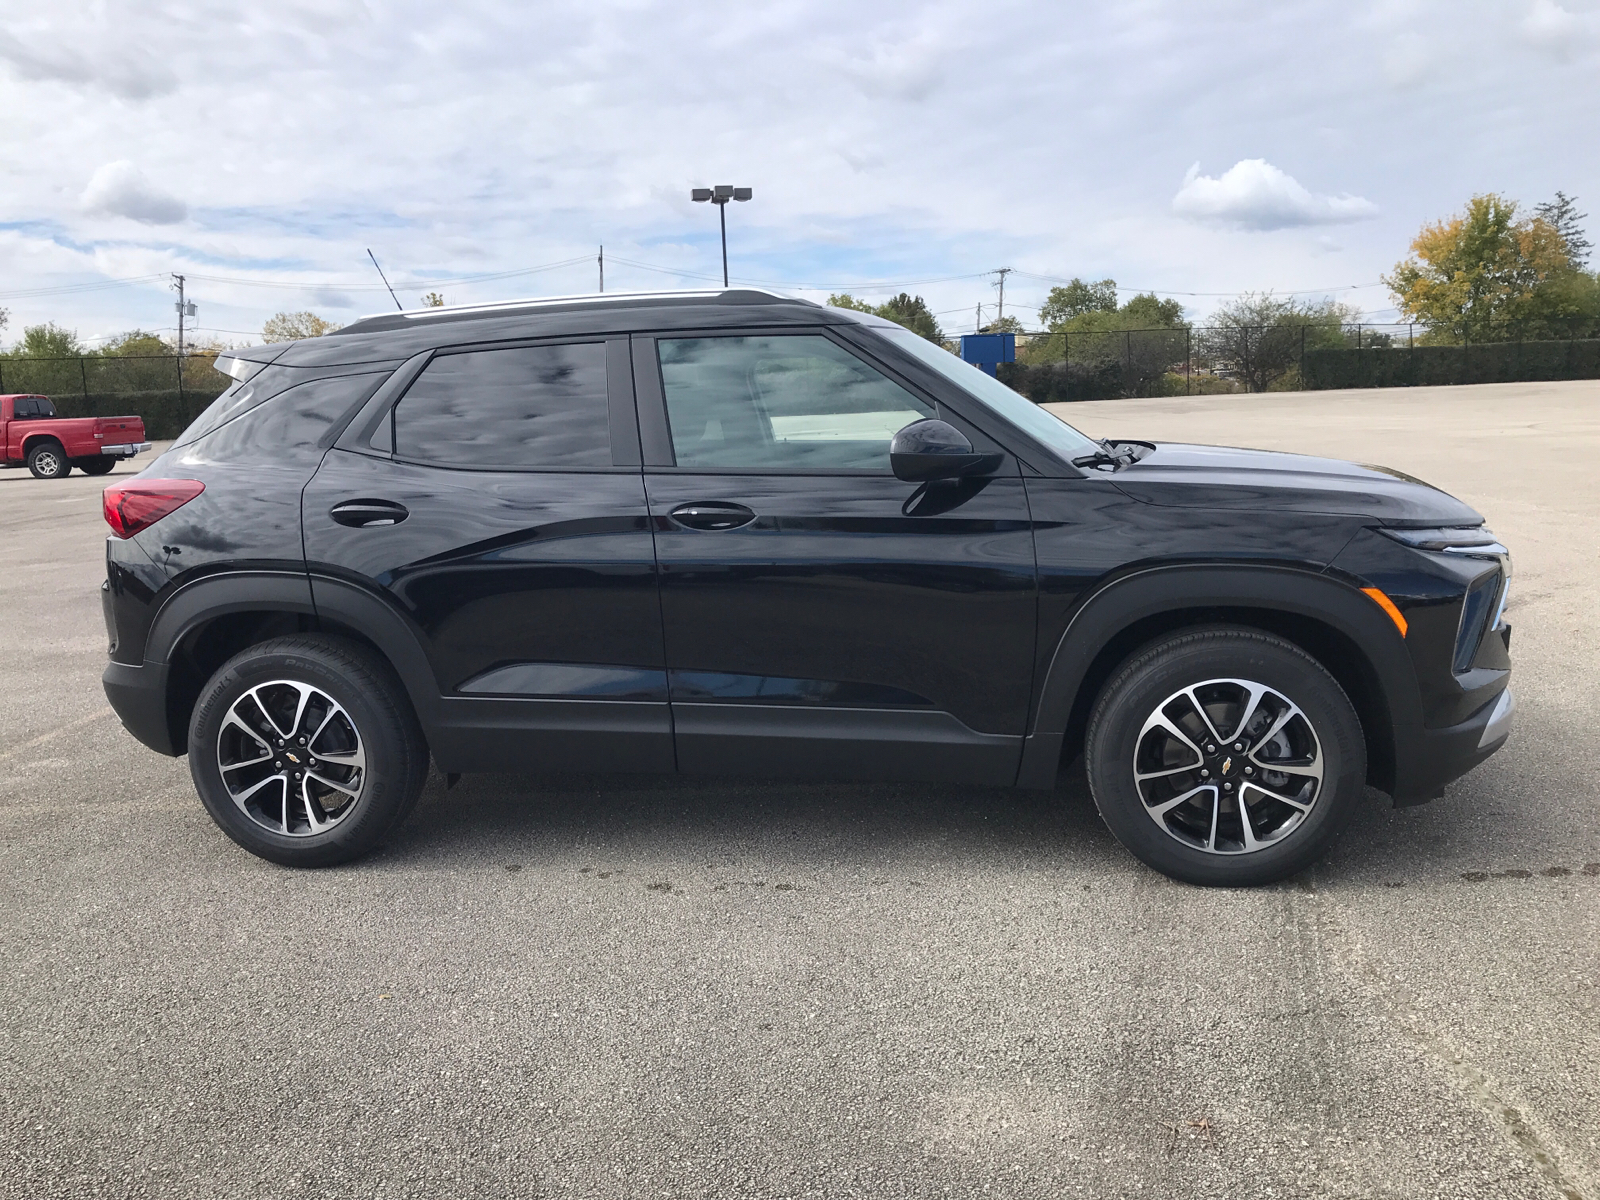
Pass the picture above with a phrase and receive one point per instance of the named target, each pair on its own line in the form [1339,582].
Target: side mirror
[928,449]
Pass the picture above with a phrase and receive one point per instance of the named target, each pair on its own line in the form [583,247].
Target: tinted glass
[238,399]
[43,407]
[293,420]
[1040,423]
[533,406]
[796,402]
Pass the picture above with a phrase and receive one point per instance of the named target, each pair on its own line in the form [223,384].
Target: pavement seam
[61,731]
[1513,1120]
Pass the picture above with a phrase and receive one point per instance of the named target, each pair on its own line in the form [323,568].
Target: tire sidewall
[1133,696]
[57,455]
[385,789]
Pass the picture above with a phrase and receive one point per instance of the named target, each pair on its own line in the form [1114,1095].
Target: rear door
[822,617]
[498,506]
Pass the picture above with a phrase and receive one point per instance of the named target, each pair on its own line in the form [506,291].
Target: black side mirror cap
[932,449]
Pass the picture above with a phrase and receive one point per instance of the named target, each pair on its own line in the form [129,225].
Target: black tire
[386,733]
[100,464]
[47,460]
[1274,837]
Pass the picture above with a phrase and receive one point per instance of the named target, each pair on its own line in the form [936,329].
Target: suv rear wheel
[306,751]
[1225,757]
[47,460]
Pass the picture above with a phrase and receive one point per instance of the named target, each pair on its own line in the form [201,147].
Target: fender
[395,636]
[1121,603]
[213,595]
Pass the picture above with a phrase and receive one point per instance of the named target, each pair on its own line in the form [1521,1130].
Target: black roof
[385,337]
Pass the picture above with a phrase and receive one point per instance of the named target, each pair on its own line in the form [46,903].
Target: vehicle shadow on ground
[549,817]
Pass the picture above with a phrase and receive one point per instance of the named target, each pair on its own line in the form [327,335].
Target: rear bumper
[1427,759]
[138,695]
[127,450]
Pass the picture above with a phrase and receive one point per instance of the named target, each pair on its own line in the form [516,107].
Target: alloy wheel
[1228,766]
[291,758]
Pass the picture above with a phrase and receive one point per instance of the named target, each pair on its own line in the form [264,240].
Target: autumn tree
[1486,273]
[289,327]
[433,300]
[1562,215]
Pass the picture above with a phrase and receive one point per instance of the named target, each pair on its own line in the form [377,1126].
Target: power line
[1342,287]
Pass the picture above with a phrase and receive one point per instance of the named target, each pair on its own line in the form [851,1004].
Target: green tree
[1063,304]
[135,343]
[290,327]
[1003,325]
[904,309]
[47,341]
[1485,273]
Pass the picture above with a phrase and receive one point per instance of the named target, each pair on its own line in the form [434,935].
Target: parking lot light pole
[720,195]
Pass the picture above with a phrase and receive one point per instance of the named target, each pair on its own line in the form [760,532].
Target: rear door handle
[363,513]
[713,515]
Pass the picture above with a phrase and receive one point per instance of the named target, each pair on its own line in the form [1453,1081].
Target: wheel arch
[1330,620]
[207,622]
[30,440]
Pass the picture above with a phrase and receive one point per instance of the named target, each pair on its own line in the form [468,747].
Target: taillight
[140,503]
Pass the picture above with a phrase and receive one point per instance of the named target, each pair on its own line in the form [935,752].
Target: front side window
[529,406]
[795,402]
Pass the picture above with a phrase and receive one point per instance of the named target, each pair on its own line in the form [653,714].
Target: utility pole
[602,267]
[180,280]
[1002,272]
[977,321]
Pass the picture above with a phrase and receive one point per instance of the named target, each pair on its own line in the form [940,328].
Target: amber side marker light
[1387,605]
[140,503]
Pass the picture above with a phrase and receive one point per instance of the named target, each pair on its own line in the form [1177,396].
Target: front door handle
[360,514]
[713,515]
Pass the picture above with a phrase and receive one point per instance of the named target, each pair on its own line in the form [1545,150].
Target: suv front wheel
[306,751]
[1225,757]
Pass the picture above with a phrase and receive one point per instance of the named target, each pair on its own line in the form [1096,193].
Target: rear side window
[794,402]
[529,406]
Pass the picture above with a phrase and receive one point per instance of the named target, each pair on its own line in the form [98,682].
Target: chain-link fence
[1205,359]
[165,390]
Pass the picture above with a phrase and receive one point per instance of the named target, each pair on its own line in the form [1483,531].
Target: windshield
[1027,416]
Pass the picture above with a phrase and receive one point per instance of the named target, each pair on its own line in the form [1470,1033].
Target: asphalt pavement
[596,987]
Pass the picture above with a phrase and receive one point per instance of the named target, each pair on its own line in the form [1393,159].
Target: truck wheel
[1225,757]
[47,460]
[306,751]
[100,464]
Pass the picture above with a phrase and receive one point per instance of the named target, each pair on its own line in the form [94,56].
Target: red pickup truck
[51,446]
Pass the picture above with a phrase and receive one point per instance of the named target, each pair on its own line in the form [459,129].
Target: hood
[1223,477]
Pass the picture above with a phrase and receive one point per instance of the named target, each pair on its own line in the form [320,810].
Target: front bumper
[138,695]
[127,450]
[1427,759]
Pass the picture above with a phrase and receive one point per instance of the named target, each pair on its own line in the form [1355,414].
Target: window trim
[655,430]
[621,419]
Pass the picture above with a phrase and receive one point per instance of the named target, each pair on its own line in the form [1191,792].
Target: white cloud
[1549,27]
[1254,194]
[127,72]
[120,189]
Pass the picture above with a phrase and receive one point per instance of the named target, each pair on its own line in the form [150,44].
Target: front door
[501,510]
[822,617]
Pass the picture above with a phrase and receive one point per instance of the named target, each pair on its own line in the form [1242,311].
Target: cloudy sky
[485,149]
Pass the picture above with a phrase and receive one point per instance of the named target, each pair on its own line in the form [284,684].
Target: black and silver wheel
[1225,756]
[47,460]
[305,750]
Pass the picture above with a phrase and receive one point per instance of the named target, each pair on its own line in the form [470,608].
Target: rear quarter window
[296,419]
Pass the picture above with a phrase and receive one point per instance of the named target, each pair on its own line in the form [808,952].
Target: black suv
[734,533]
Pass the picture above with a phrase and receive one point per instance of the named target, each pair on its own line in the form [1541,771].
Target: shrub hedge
[166,413]
[1489,362]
